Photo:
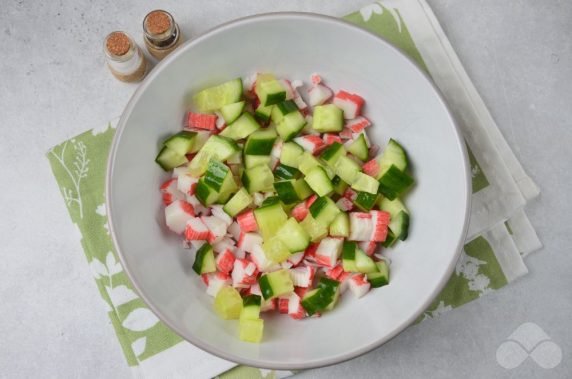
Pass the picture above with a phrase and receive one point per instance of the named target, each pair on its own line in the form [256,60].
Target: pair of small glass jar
[125,58]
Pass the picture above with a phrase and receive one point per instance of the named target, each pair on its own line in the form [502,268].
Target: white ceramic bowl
[402,103]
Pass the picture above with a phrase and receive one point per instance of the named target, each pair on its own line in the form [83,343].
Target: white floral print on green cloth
[79,167]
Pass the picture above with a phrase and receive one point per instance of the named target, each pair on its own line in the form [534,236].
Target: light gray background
[54,85]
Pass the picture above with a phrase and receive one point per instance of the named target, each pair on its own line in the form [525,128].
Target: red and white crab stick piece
[329,251]
[319,94]
[361,226]
[187,184]
[215,282]
[310,143]
[380,221]
[359,285]
[302,276]
[358,124]
[244,273]
[177,214]
[216,226]
[201,121]
[350,103]
[170,192]
[196,230]
[247,221]
[225,261]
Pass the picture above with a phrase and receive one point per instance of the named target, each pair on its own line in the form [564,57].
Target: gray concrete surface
[54,85]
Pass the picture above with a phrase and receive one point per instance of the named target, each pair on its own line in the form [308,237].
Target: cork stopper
[117,43]
[158,22]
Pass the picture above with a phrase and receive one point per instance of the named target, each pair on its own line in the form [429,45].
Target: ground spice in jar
[162,34]
[124,58]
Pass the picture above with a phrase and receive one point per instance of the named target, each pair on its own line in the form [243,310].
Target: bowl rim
[253,362]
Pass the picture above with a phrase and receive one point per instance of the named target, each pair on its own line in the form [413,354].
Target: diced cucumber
[331,286]
[364,263]
[258,179]
[286,107]
[214,98]
[389,240]
[216,174]
[349,256]
[339,185]
[271,200]
[204,260]
[332,153]
[380,278]
[321,297]
[302,189]
[394,182]
[290,125]
[229,187]
[340,227]
[251,161]
[251,330]
[324,210]
[205,193]
[275,250]
[294,237]
[239,202]
[315,229]
[307,163]
[251,307]
[275,284]
[286,191]
[216,147]
[399,220]
[200,140]
[365,201]
[244,126]
[235,159]
[169,159]
[359,147]
[318,180]
[291,154]
[228,303]
[393,179]
[365,183]
[283,172]
[270,219]
[328,118]
[260,142]
[270,92]
[393,154]
[231,112]
[346,169]
[182,142]
[263,113]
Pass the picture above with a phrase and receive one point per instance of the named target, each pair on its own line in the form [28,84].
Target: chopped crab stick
[219,123]
[201,121]
[196,230]
[302,276]
[300,211]
[217,211]
[225,261]
[368,247]
[290,92]
[187,184]
[371,168]
[215,282]
[295,309]
[244,273]
[380,221]
[170,192]
[234,230]
[358,124]
[216,226]
[296,258]
[329,251]
[361,226]
[346,134]
[177,214]
[226,243]
[330,138]
[319,94]
[311,143]
[335,273]
[350,103]
[359,285]
[261,261]
[247,221]
[248,241]
[345,204]
[315,78]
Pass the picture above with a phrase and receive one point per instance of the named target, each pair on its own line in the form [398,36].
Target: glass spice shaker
[162,34]
[124,58]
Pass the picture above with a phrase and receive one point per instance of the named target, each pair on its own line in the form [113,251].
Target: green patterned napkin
[500,233]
